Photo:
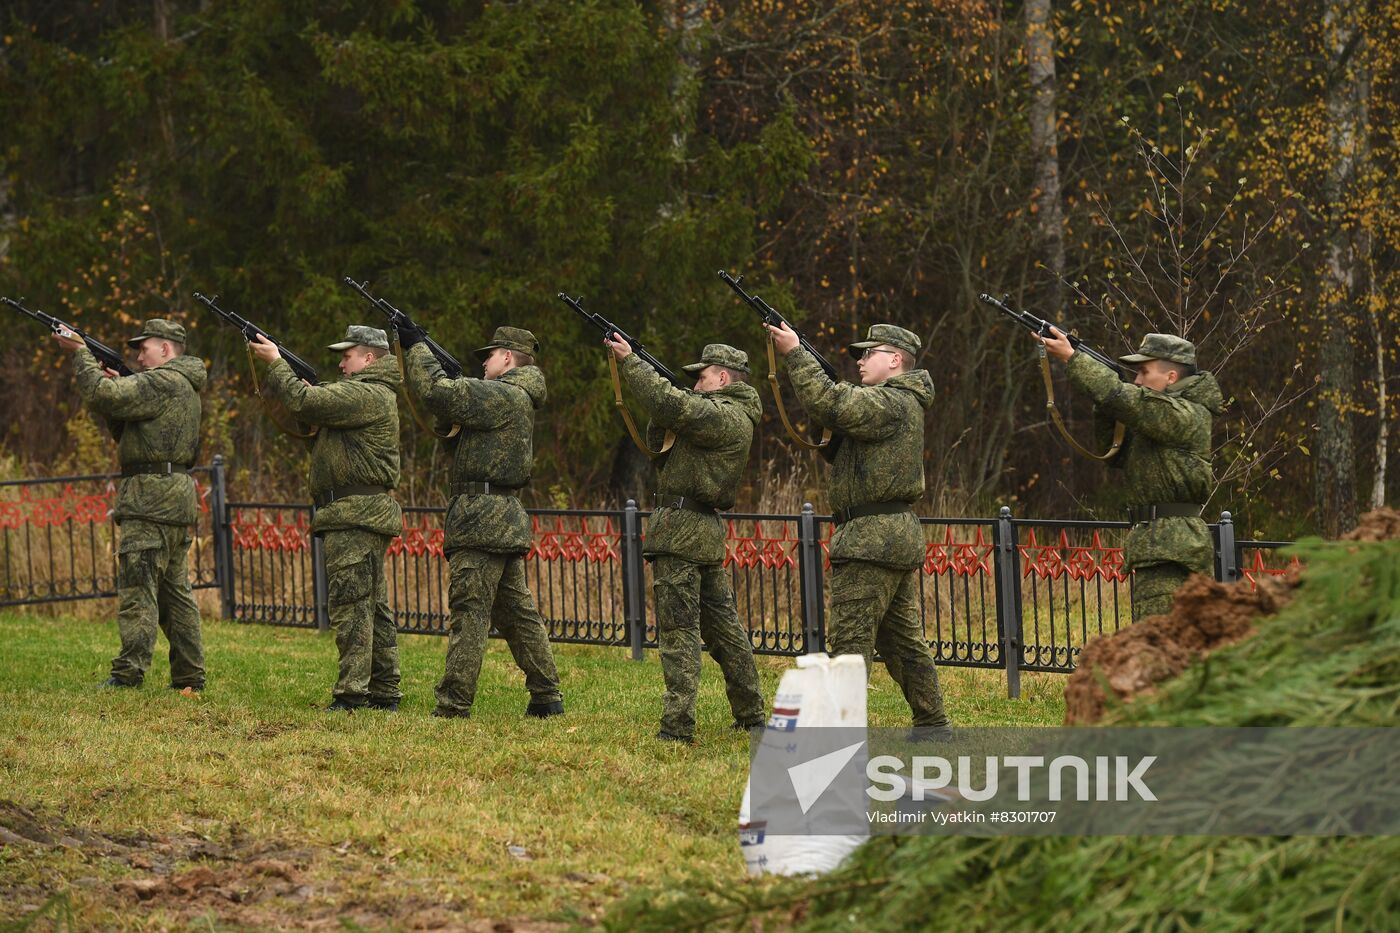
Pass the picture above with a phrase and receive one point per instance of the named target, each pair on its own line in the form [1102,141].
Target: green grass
[385,810]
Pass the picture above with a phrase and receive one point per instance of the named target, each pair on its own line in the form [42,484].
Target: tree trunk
[1040,57]
[1335,471]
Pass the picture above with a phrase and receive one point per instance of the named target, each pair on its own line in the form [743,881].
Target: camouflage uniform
[875,558]
[1165,458]
[354,464]
[488,532]
[694,597]
[157,416]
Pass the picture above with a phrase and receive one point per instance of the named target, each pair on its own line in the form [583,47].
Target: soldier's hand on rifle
[620,348]
[264,349]
[1057,345]
[68,340]
[784,338]
[409,335]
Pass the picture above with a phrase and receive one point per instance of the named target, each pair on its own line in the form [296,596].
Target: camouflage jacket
[158,411]
[1165,456]
[357,444]
[496,445]
[880,460]
[713,433]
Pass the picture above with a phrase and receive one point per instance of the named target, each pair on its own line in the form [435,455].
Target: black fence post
[1007,557]
[634,580]
[223,537]
[809,572]
[318,580]
[1227,558]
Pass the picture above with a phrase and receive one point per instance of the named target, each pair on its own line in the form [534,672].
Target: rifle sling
[782,409]
[271,405]
[627,415]
[397,349]
[1119,429]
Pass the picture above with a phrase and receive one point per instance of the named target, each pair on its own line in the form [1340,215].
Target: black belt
[344,492]
[484,489]
[1156,510]
[666,501]
[841,516]
[145,469]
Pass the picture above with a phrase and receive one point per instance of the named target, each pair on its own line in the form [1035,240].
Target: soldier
[877,475]
[354,465]
[1165,457]
[155,416]
[488,532]
[713,429]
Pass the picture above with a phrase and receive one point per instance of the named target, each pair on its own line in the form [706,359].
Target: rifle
[771,316]
[829,444]
[609,329]
[300,367]
[398,319]
[249,330]
[1041,328]
[109,358]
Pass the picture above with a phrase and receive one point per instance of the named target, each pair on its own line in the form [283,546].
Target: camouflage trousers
[695,602]
[488,590]
[1154,588]
[153,589]
[357,601]
[874,607]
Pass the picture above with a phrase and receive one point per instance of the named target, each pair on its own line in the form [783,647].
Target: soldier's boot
[386,704]
[665,736]
[113,683]
[340,706]
[545,710]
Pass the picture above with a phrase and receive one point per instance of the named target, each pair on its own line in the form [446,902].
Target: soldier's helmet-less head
[360,335]
[888,335]
[510,338]
[720,354]
[1162,347]
[158,327]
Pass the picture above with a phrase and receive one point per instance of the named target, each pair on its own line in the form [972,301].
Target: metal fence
[1007,593]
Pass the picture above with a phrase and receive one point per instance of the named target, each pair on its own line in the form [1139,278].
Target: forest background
[1223,169]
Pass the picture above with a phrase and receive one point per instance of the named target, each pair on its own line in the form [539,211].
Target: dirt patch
[243,882]
[1205,616]
[1380,525]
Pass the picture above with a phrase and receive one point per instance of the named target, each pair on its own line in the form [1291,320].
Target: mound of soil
[1205,616]
[1380,525]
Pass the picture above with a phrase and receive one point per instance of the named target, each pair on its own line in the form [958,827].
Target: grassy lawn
[249,807]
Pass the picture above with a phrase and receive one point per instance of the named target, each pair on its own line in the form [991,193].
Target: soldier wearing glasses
[877,475]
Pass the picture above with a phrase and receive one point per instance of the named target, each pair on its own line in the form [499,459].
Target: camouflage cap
[888,335]
[510,338]
[159,327]
[1162,347]
[720,354]
[361,335]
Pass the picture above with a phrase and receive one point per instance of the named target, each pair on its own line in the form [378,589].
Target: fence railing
[1014,594]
